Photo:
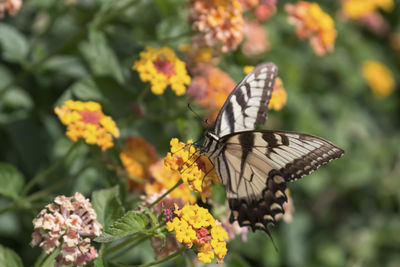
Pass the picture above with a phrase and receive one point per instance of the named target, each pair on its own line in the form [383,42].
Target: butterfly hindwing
[247,105]
[254,166]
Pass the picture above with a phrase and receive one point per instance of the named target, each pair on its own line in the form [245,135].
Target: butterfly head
[210,143]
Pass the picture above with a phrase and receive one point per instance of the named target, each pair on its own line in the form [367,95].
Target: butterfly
[255,165]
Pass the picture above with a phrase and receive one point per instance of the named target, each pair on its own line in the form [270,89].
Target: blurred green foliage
[346,213]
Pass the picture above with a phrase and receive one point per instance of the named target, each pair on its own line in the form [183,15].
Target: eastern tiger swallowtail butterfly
[255,165]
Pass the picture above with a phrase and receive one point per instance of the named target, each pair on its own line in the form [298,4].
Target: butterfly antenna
[197,115]
[194,112]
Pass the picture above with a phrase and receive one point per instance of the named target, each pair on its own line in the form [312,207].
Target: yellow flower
[186,160]
[379,78]
[195,227]
[137,157]
[279,96]
[162,68]
[86,120]
[313,23]
[356,9]
[248,69]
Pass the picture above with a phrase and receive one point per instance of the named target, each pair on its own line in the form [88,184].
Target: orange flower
[210,89]
[86,120]
[220,23]
[312,23]
[137,157]
[163,179]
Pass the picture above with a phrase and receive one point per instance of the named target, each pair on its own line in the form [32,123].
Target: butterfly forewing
[247,105]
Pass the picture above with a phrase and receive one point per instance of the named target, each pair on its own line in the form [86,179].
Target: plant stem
[49,170]
[143,94]
[122,244]
[173,255]
[165,194]
[129,247]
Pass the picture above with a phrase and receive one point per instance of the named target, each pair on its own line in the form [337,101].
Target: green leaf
[100,57]
[151,214]
[8,258]
[129,224]
[11,180]
[5,77]
[14,45]
[86,89]
[107,205]
[98,262]
[66,65]
[16,98]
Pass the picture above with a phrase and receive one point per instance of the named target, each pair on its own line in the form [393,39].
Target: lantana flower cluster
[195,227]
[313,23]
[69,223]
[137,157]
[162,68]
[219,22]
[379,78]
[11,6]
[86,120]
[195,170]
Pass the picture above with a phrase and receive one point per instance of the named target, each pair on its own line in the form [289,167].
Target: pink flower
[69,222]
[256,39]
[12,6]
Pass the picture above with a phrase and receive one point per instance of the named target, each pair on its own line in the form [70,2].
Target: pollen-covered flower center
[92,117]
[164,66]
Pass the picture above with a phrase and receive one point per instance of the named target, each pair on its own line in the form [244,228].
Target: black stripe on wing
[247,105]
